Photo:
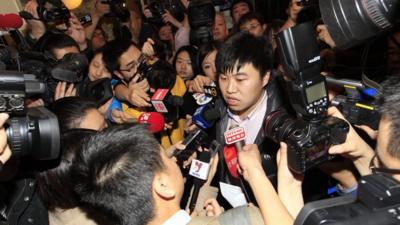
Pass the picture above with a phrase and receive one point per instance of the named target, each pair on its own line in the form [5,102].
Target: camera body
[32,132]
[377,202]
[310,135]
[58,14]
[358,112]
[201,18]
[99,90]
[308,142]
[158,7]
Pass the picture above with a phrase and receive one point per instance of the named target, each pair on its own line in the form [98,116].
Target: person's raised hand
[138,92]
[354,148]
[37,27]
[63,91]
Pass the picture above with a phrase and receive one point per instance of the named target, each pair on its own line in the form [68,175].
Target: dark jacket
[267,147]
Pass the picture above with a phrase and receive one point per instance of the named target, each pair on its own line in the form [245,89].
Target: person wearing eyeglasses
[122,58]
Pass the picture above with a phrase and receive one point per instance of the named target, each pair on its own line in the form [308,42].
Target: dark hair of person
[235,2]
[55,186]
[54,40]
[161,75]
[251,16]
[114,173]
[243,48]
[113,50]
[70,111]
[390,109]
[192,51]
[205,50]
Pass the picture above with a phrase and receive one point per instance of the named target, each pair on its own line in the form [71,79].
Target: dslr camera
[201,18]
[359,104]
[33,132]
[310,135]
[158,7]
[377,202]
[57,14]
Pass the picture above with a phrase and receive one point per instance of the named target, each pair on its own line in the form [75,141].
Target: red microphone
[234,139]
[10,21]
[155,121]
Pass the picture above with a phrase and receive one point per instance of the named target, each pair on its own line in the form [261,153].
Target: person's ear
[266,78]
[162,186]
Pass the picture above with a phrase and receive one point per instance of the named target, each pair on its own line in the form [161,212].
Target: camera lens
[35,135]
[278,125]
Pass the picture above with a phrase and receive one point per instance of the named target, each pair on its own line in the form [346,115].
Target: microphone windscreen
[175,100]
[10,21]
[155,121]
[212,114]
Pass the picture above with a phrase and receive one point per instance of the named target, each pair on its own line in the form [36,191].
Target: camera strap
[365,80]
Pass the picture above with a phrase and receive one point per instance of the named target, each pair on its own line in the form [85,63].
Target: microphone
[10,21]
[155,121]
[199,171]
[162,100]
[205,116]
[234,142]
[235,135]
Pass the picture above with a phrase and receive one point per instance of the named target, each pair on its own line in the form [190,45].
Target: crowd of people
[113,170]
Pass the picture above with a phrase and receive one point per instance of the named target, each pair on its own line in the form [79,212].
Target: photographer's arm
[272,208]
[99,10]
[354,148]
[134,93]
[5,152]
[289,184]
[37,27]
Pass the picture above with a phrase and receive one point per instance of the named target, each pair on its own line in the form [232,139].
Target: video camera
[33,132]
[57,14]
[377,202]
[99,90]
[118,9]
[158,8]
[359,104]
[201,18]
[310,135]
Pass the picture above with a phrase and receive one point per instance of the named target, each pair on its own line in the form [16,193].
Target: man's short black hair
[56,185]
[115,170]
[243,48]
[251,16]
[54,40]
[70,111]
[235,2]
[390,109]
[113,50]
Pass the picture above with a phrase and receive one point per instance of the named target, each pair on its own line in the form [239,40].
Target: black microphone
[205,116]
[199,170]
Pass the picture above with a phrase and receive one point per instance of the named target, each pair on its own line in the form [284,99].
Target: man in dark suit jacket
[249,95]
